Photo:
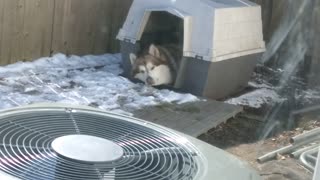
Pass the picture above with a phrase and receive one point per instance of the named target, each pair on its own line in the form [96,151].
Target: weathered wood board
[193,118]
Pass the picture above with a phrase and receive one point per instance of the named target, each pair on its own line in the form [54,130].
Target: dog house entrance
[161,28]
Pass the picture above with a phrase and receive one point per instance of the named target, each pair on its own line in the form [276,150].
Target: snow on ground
[267,94]
[263,93]
[256,98]
[88,80]
[308,97]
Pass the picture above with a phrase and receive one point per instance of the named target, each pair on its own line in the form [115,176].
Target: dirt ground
[240,136]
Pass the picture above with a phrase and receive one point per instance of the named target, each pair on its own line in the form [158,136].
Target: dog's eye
[152,68]
[141,71]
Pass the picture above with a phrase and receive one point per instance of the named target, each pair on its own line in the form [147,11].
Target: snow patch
[260,85]
[256,98]
[308,97]
[88,80]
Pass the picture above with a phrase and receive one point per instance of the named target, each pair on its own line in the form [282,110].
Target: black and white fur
[157,66]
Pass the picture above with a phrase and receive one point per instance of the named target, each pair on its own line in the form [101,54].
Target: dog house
[221,40]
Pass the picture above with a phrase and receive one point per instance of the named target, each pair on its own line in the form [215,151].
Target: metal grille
[150,152]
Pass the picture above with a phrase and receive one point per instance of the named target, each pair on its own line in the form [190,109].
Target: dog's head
[151,68]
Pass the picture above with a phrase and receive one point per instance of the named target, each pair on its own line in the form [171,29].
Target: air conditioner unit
[63,142]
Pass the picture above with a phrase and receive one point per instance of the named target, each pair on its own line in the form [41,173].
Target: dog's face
[151,68]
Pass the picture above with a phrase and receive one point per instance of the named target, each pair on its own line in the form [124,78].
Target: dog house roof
[214,30]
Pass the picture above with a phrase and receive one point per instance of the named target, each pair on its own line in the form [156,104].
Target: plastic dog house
[221,40]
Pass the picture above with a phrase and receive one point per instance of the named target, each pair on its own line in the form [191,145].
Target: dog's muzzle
[149,81]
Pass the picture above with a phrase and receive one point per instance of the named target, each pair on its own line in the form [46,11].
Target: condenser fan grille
[149,151]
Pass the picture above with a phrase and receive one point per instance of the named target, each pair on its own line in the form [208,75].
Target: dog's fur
[157,66]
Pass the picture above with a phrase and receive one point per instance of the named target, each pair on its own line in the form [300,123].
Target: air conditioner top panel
[212,163]
[213,29]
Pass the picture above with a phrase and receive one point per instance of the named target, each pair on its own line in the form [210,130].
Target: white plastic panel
[237,31]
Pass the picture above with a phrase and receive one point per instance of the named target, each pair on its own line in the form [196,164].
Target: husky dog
[157,66]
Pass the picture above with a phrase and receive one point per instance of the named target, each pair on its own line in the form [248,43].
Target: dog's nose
[149,80]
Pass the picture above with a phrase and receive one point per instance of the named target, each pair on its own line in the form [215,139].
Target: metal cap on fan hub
[89,149]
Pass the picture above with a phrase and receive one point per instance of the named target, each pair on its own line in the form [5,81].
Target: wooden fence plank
[102,33]
[1,27]
[17,32]
[12,31]
[58,40]
[37,28]
[79,25]
[278,12]
[314,78]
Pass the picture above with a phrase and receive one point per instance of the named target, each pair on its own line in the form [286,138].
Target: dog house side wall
[192,75]
[216,80]
[228,77]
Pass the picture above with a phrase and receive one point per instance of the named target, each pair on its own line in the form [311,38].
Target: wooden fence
[31,29]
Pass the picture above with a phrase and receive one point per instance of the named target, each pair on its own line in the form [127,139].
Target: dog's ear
[133,58]
[154,51]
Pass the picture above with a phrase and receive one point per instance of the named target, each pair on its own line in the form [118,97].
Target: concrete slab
[193,118]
